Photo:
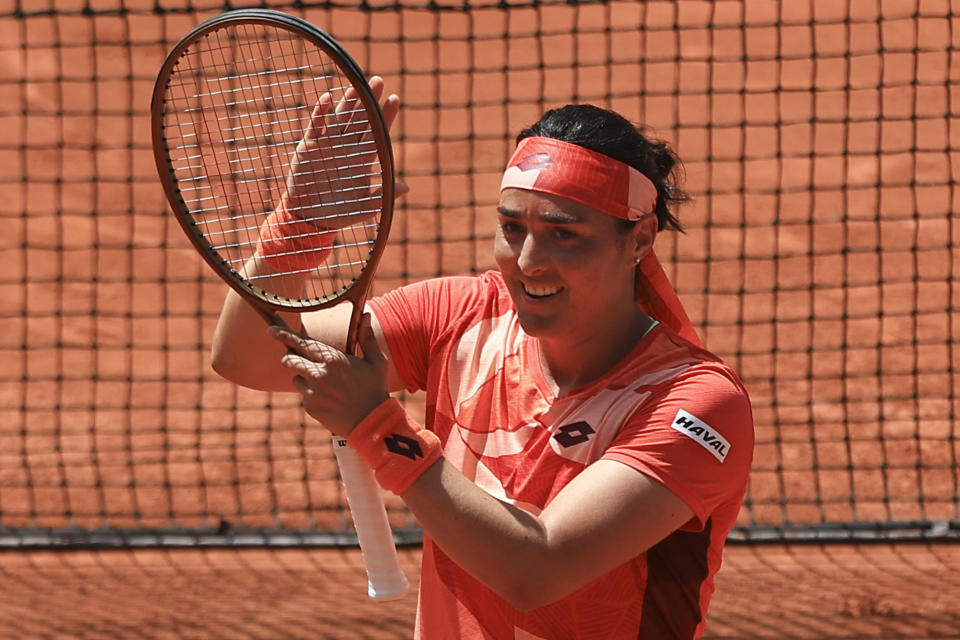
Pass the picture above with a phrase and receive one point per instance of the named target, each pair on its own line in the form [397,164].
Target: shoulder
[696,393]
[693,433]
[686,399]
[667,365]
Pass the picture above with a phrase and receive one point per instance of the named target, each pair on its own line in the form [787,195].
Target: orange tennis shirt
[671,410]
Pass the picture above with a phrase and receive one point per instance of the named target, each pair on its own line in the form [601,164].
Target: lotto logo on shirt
[695,428]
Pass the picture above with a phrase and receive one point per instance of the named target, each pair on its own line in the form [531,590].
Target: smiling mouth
[540,292]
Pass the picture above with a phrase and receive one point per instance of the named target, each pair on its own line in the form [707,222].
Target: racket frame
[386,580]
[267,303]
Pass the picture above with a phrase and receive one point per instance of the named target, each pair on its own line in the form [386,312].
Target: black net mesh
[820,257]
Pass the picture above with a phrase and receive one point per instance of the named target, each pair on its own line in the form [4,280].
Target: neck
[568,364]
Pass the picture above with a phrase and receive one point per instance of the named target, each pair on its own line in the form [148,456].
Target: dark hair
[609,133]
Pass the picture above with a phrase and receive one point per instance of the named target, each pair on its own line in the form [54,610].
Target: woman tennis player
[583,457]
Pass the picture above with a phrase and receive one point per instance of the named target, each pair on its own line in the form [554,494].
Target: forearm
[499,544]
[606,516]
[242,351]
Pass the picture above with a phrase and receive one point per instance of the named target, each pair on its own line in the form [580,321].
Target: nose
[533,256]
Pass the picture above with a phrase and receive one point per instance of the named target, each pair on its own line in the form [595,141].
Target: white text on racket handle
[385,578]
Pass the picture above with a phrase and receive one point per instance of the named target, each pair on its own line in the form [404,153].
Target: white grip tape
[385,579]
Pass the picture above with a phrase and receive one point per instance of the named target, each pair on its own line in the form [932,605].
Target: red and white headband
[570,171]
[607,185]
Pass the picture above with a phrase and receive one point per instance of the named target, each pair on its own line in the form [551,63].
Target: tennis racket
[256,110]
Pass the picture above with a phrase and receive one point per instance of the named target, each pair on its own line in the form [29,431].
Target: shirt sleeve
[695,437]
[416,317]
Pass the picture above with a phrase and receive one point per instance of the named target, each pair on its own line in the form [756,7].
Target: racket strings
[234,222]
[238,104]
[248,245]
[236,178]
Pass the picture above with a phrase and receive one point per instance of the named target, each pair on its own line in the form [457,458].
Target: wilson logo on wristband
[404,446]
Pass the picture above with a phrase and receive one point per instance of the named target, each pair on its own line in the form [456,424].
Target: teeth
[541,291]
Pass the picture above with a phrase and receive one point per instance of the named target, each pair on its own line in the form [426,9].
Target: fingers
[400,189]
[311,356]
[390,106]
[318,118]
[347,122]
[308,359]
[286,336]
[347,105]
[302,348]
[330,118]
[321,169]
[337,389]
[390,109]
[367,340]
[376,86]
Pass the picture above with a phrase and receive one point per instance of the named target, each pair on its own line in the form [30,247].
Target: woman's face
[567,266]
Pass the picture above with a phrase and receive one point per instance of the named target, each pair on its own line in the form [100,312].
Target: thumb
[367,340]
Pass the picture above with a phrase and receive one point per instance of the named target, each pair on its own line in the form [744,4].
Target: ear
[642,234]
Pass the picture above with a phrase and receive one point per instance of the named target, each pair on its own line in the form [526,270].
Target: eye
[511,228]
[564,233]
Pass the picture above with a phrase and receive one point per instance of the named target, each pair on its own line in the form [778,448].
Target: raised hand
[332,180]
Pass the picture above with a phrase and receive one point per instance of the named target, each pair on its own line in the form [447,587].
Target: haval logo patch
[695,428]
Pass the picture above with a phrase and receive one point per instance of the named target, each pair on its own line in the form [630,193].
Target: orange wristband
[290,245]
[397,449]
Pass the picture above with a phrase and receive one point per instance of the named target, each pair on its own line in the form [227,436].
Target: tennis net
[820,258]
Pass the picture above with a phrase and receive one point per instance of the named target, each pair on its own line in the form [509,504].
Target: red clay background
[820,260]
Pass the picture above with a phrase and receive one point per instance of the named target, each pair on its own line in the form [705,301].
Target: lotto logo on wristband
[410,449]
[403,446]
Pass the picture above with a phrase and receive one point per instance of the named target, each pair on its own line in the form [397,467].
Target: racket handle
[385,578]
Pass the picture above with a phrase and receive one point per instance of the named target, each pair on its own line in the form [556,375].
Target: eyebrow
[553,217]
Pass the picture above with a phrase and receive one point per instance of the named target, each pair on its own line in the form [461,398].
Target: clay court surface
[763,592]
[820,260]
